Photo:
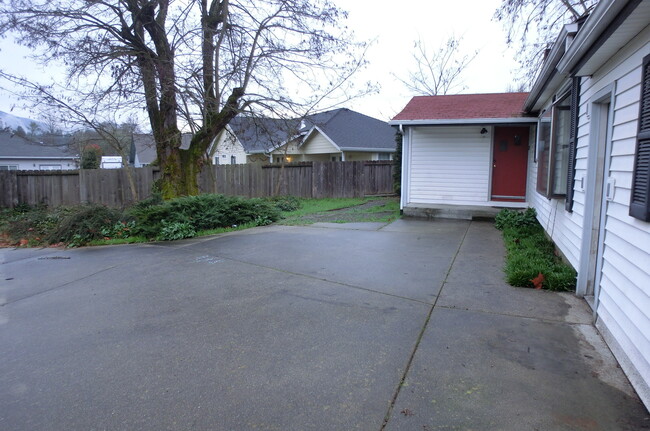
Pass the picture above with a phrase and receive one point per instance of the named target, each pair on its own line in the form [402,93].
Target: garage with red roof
[465,149]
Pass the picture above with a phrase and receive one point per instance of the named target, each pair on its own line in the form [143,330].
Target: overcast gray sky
[394,26]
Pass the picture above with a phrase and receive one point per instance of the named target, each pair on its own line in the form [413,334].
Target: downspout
[403,180]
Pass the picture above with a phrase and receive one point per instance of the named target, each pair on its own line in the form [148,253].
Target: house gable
[316,142]
[227,149]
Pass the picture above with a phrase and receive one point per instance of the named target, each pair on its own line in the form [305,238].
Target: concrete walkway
[406,326]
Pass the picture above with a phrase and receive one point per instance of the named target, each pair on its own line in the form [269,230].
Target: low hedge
[530,253]
[151,219]
[197,213]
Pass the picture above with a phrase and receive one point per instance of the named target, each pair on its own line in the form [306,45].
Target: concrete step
[458,212]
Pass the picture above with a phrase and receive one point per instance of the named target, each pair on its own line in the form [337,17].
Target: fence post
[316,179]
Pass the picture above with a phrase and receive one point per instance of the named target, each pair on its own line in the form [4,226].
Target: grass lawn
[344,210]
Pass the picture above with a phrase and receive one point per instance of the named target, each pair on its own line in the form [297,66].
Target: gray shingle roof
[350,130]
[145,147]
[258,135]
[12,145]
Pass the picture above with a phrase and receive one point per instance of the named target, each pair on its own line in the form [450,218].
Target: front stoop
[457,212]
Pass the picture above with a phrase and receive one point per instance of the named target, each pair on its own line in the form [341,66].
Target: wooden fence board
[111,186]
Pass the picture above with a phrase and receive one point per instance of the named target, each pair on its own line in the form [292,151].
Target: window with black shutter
[640,199]
[573,142]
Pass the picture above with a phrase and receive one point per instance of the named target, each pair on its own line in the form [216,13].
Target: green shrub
[172,231]
[530,252]
[155,199]
[119,230]
[285,203]
[84,224]
[513,218]
[202,212]
[148,219]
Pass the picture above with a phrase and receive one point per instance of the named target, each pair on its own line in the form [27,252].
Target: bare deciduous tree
[194,62]
[532,26]
[437,71]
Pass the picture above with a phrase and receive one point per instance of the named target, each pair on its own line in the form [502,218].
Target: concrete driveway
[406,326]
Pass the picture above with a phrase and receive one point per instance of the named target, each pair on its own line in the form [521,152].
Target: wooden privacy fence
[111,186]
[303,179]
[108,187]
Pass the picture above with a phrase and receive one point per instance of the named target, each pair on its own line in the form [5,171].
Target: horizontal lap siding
[228,146]
[318,144]
[624,306]
[449,164]
[564,228]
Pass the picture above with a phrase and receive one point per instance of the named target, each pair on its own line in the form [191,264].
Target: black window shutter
[573,142]
[640,200]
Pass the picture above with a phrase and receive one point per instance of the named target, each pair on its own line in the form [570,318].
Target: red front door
[509,164]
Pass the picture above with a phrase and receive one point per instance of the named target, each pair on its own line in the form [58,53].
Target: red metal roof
[463,106]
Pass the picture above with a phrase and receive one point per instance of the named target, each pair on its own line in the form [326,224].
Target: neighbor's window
[553,150]
[8,167]
[233,160]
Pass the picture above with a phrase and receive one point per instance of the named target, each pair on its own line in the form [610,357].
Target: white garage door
[449,165]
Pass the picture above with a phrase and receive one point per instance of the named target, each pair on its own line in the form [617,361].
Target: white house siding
[360,156]
[624,301]
[317,143]
[39,164]
[449,165]
[292,150]
[623,308]
[564,228]
[228,146]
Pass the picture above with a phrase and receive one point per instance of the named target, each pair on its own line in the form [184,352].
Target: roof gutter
[369,150]
[40,157]
[462,122]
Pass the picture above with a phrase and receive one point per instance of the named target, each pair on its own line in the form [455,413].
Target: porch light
[483,131]
[289,159]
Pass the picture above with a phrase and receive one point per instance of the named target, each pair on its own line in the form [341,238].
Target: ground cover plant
[184,217]
[151,219]
[155,219]
[531,260]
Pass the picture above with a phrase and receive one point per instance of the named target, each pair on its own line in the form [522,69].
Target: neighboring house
[252,139]
[588,170]
[143,150]
[342,135]
[18,153]
[337,135]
